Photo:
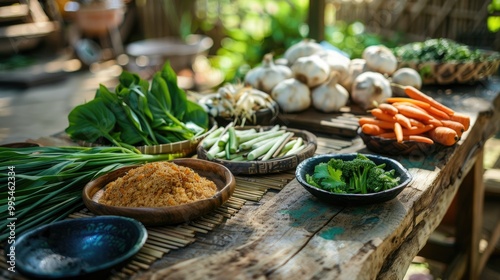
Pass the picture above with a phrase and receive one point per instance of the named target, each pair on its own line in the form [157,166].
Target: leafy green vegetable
[139,113]
[131,131]
[92,120]
[441,50]
[49,180]
[359,175]
[330,178]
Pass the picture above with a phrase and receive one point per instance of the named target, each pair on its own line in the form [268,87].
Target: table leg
[470,201]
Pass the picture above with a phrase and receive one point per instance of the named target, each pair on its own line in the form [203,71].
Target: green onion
[49,181]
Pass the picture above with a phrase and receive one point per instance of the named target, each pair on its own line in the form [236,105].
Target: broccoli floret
[355,173]
[381,180]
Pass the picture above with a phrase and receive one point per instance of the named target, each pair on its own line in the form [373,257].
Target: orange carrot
[403,120]
[398,130]
[372,129]
[458,127]
[381,115]
[388,108]
[412,112]
[381,123]
[438,114]
[416,138]
[397,104]
[417,130]
[461,118]
[419,138]
[418,103]
[416,123]
[418,95]
[444,135]
[388,135]
[435,122]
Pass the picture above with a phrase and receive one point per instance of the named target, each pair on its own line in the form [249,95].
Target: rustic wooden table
[286,233]
[289,234]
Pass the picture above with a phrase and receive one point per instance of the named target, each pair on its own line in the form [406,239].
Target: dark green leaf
[196,114]
[177,95]
[131,133]
[90,121]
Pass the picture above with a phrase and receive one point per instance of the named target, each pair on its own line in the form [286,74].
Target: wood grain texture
[292,235]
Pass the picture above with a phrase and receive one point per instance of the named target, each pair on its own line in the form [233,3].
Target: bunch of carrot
[417,117]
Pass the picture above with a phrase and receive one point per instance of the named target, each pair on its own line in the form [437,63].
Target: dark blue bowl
[83,248]
[307,167]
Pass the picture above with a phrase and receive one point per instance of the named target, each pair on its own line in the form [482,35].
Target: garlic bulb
[311,70]
[356,67]
[339,64]
[370,89]
[329,97]
[292,95]
[405,77]
[380,58]
[266,76]
[306,47]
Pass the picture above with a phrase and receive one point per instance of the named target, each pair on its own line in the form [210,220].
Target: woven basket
[394,148]
[451,73]
[176,149]
[274,165]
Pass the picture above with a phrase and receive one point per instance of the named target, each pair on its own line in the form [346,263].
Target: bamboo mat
[161,240]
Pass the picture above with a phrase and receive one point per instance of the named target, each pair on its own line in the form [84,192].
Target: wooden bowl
[149,216]
[274,165]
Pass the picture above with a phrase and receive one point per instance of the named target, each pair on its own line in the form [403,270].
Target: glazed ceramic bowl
[346,199]
[83,248]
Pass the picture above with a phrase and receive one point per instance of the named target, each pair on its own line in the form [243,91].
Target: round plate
[215,172]
[307,167]
[274,165]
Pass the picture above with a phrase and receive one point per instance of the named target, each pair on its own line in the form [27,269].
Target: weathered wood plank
[289,234]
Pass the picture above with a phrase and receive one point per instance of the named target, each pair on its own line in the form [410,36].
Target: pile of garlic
[306,75]
[310,75]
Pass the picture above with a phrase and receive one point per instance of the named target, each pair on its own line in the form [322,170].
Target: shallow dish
[215,172]
[274,165]
[84,248]
[307,167]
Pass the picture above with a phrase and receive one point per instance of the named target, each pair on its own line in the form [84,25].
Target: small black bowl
[83,248]
[307,167]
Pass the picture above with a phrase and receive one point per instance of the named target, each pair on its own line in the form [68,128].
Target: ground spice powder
[157,184]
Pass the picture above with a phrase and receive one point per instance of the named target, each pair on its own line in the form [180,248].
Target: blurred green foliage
[493,22]
[247,30]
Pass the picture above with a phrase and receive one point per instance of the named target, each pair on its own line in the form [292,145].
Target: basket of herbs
[444,61]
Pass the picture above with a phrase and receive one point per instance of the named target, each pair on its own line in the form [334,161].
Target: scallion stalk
[49,180]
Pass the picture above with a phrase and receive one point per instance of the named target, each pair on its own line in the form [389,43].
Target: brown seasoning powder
[157,184]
